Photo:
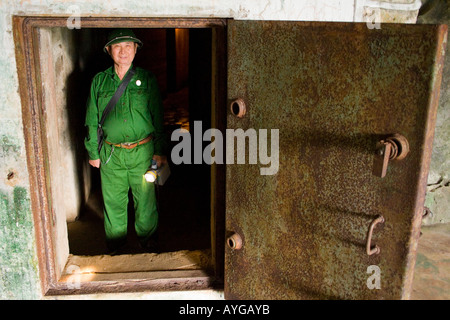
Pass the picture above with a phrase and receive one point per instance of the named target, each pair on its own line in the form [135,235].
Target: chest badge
[138,83]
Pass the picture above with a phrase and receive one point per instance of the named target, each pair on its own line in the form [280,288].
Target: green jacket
[138,113]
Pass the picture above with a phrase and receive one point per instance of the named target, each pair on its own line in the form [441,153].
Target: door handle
[375,250]
[395,147]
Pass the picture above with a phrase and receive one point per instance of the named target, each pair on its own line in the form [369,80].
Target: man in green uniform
[133,136]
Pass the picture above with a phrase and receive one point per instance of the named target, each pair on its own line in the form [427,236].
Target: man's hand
[95,163]
[160,160]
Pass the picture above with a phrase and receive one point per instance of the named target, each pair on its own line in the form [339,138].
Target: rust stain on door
[334,90]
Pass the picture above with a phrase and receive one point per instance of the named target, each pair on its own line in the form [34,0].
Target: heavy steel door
[339,219]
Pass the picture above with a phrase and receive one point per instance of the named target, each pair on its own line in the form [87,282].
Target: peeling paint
[424,262]
[18,273]
[7,147]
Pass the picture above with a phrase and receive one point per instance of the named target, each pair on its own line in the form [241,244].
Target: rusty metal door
[338,219]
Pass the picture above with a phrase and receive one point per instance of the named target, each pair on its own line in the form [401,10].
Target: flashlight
[158,175]
[151,173]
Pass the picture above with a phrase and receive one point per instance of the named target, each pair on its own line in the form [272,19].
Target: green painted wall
[18,275]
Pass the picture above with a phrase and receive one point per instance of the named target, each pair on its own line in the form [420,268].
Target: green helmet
[121,35]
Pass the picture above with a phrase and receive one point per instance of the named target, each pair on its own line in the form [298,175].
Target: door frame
[26,39]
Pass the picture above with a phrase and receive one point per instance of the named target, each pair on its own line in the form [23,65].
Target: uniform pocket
[103,98]
[103,152]
[107,155]
[139,99]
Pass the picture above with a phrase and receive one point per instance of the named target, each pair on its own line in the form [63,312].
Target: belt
[130,145]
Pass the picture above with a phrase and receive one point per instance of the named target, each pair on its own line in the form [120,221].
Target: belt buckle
[126,144]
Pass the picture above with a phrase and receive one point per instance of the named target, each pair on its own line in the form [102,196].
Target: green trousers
[120,170]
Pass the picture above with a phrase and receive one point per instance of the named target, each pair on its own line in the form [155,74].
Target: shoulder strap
[120,90]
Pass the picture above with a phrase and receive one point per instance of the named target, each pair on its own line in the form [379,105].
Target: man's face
[123,52]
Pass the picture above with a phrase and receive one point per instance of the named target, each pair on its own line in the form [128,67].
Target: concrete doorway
[188,58]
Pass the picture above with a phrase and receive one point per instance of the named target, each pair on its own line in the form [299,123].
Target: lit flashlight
[157,175]
[150,176]
[151,173]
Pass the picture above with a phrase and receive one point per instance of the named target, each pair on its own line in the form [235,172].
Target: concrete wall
[438,195]
[69,175]
[19,277]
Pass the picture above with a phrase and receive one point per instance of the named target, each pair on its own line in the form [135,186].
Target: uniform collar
[112,72]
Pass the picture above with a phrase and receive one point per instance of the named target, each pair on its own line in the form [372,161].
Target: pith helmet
[121,35]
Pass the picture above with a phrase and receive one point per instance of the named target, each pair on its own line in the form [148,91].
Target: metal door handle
[395,147]
[369,250]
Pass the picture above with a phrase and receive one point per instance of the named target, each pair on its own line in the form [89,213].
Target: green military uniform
[137,114]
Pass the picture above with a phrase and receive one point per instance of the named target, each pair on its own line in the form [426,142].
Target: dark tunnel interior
[181,61]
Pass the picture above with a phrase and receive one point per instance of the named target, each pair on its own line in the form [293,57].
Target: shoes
[151,245]
[115,247]
[120,246]
[117,251]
